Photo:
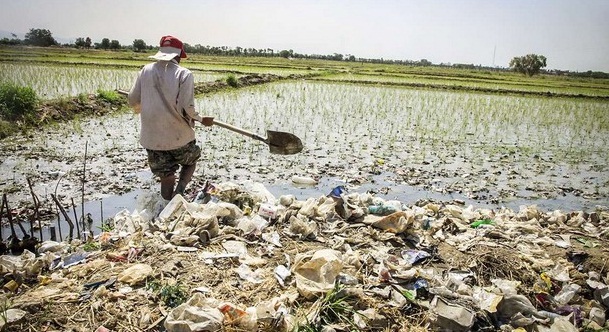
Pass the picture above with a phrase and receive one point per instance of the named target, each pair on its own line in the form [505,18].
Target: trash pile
[237,258]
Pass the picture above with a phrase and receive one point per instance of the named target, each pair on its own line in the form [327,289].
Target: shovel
[279,142]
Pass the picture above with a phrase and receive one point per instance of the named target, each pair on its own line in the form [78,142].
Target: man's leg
[185,176]
[167,184]
[190,153]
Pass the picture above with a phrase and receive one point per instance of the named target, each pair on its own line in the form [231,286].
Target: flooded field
[475,82]
[62,81]
[399,143]
[491,148]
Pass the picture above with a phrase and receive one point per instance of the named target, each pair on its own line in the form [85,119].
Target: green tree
[286,54]
[6,41]
[187,48]
[105,43]
[529,64]
[336,56]
[139,45]
[80,42]
[115,45]
[39,37]
[88,42]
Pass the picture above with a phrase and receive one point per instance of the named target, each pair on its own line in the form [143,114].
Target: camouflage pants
[166,163]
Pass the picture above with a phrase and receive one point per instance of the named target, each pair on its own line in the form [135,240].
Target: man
[163,94]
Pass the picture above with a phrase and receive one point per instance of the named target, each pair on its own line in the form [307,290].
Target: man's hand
[207,121]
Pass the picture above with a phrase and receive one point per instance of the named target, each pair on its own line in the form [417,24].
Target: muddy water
[107,206]
[393,142]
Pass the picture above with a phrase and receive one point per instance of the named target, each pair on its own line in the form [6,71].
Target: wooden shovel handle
[222,124]
[240,131]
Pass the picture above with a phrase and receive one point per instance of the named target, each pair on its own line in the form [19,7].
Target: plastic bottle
[381,210]
[201,198]
[337,192]
[303,180]
[567,293]
[477,223]
[426,223]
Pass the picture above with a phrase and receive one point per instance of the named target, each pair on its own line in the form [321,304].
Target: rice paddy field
[408,133]
[453,137]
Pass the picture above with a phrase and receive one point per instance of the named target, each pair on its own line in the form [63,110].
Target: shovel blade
[283,143]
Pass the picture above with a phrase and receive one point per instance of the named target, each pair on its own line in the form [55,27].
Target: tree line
[44,38]
[530,64]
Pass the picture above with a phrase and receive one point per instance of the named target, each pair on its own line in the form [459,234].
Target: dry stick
[101,212]
[31,218]
[155,323]
[8,214]
[84,172]
[65,216]
[14,240]
[36,207]
[23,231]
[1,215]
[603,268]
[21,227]
[58,220]
[92,317]
[59,228]
[76,218]
[3,246]
[34,215]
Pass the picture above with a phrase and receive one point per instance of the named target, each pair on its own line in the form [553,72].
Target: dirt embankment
[68,108]
[244,81]
[481,89]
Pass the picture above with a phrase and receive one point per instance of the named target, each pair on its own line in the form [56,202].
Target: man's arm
[186,98]
[134,98]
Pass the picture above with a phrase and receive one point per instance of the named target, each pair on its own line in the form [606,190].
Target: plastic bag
[317,274]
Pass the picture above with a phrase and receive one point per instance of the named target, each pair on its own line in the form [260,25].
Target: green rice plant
[91,246]
[171,295]
[231,80]
[5,304]
[64,103]
[54,81]
[333,308]
[17,102]
[106,227]
[82,98]
[108,95]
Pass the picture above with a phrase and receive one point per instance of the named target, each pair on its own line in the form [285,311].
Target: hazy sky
[572,34]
